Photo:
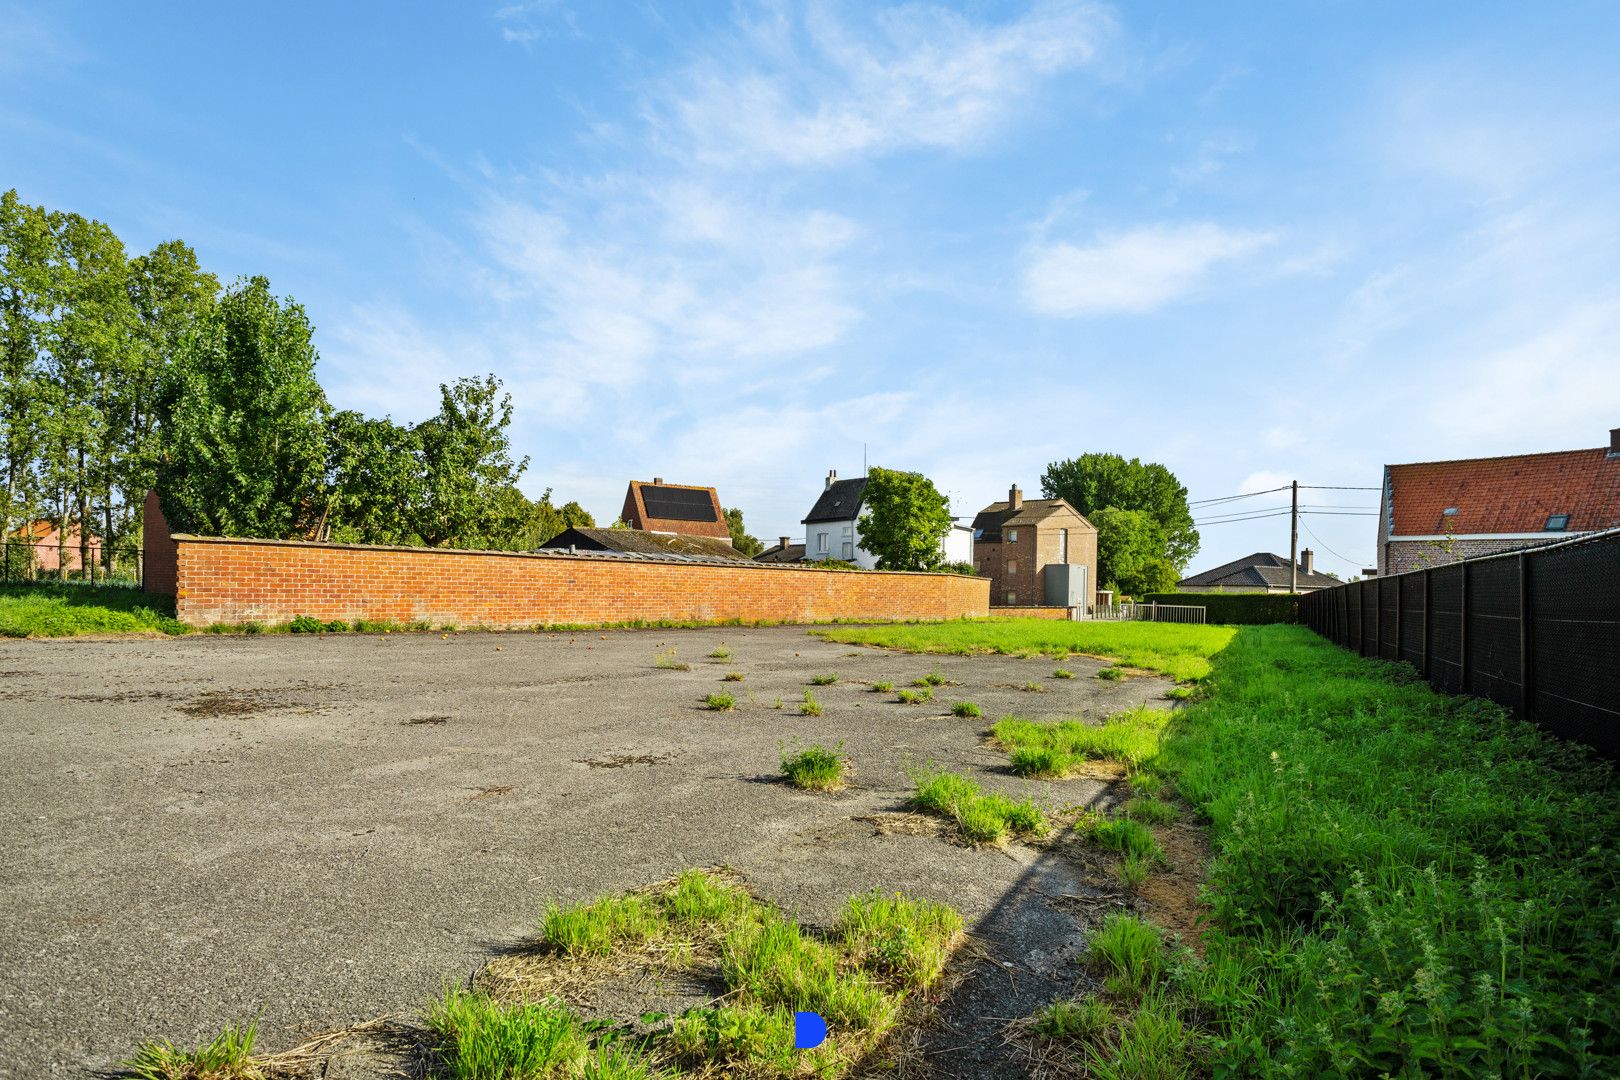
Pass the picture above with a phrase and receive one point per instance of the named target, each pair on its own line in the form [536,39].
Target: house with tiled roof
[50,546]
[1262,572]
[783,551]
[1036,552]
[832,528]
[685,509]
[1435,512]
[645,542]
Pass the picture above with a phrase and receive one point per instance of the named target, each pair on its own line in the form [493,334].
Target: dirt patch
[421,720]
[119,696]
[245,702]
[624,761]
[1170,894]
[491,792]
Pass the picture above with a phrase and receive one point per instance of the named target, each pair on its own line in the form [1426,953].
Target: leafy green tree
[467,468]
[1130,552]
[375,480]
[27,257]
[1094,482]
[243,421]
[170,294]
[905,519]
[545,520]
[744,543]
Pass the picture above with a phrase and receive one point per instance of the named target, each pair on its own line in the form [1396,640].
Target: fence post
[1400,610]
[1378,618]
[1428,595]
[1462,628]
[1527,654]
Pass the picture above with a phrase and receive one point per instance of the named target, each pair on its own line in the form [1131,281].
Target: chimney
[832,476]
[783,542]
[658,481]
[1015,498]
[1307,561]
[1614,442]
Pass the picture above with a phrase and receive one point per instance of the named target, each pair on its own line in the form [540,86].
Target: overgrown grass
[228,1056]
[1150,810]
[66,609]
[1083,1020]
[720,702]
[1050,750]
[1181,651]
[483,1038]
[815,768]
[983,818]
[1129,953]
[1410,882]
[1121,836]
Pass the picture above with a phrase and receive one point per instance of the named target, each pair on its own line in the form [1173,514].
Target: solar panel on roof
[678,504]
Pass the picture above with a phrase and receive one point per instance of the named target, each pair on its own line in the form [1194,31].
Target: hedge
[1243,609]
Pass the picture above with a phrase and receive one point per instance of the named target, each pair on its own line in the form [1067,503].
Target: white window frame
[821,542]
[1012,536]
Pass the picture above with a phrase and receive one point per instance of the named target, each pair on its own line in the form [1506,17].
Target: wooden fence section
[1537,631]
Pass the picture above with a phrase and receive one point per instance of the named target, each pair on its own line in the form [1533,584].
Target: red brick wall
[230,580]
[158,560]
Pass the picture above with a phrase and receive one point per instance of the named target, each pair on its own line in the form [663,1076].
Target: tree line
[120,373]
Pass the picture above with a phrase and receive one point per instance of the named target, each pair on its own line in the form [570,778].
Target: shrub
[966,709]
[815,768]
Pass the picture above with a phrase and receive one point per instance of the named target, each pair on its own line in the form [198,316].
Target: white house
[832,529]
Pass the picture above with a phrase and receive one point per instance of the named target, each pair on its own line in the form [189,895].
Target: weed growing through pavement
[966,709]
[1050,751]
[720,702]
[983,818]
[665,659]
[721,653]
[933,678]
[1034,688]
[810,706]
[823,680]
[815,768]
[1083,1020]
[915,697]
[1179,693]
[1062,673]
[777,704]
[732,676]
[1150,810]
[228,1056]
[1122,836]
[882,687]
[1110,674]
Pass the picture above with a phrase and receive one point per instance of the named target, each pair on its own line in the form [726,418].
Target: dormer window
[1557,522]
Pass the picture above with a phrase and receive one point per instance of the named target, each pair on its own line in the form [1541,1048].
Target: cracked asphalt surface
[321,830]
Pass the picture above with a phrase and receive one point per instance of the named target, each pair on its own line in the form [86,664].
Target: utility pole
[1293,544]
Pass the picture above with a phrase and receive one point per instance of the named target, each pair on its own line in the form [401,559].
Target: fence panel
[1537,630]
[118,564]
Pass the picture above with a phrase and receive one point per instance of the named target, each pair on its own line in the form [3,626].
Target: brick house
[1435,512]
[1262,572]
[643,542]
[674,508]
[53,548]
[1017,543]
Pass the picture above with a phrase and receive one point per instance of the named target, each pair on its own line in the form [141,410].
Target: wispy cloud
[817,90]
[1134,271]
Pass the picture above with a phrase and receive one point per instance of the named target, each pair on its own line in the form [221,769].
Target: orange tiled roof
[34,530]
[1506,494]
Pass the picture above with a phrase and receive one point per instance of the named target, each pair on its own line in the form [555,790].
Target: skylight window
[1557,522]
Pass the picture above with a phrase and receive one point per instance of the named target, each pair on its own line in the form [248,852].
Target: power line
[1330,551]
[1235,498]
[1342,513]
[1251,517]
[1333,487]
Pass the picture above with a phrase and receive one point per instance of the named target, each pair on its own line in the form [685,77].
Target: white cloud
[816,91]
[1134,271]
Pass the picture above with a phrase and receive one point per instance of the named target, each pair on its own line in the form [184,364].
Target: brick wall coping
[595,556]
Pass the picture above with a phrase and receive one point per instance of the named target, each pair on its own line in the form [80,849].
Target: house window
[849,551]
[1012,566]
[1557,522]
[821,543]
[1012,598]
[1063,545]
[1012,536]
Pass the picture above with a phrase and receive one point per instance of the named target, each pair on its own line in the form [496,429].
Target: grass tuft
[823,680]
[228,1056]
[732,676]
[933,678]
[882,687]
[1084,1020]
[809,706]
[915,697]
[1150,810]
[595,929]
[1110,674]
[966,709]
[983,818]
[665,659]
[1062,673]
[720,702]
[720,653]
[905,940]
[815,768]
[1129,952]
[482,1038]
[1121,836]
[1050,751]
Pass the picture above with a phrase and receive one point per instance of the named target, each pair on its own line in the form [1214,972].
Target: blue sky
[731,244]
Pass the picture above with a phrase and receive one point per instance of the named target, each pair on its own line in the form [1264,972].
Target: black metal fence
[21,560]
[1537,631]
